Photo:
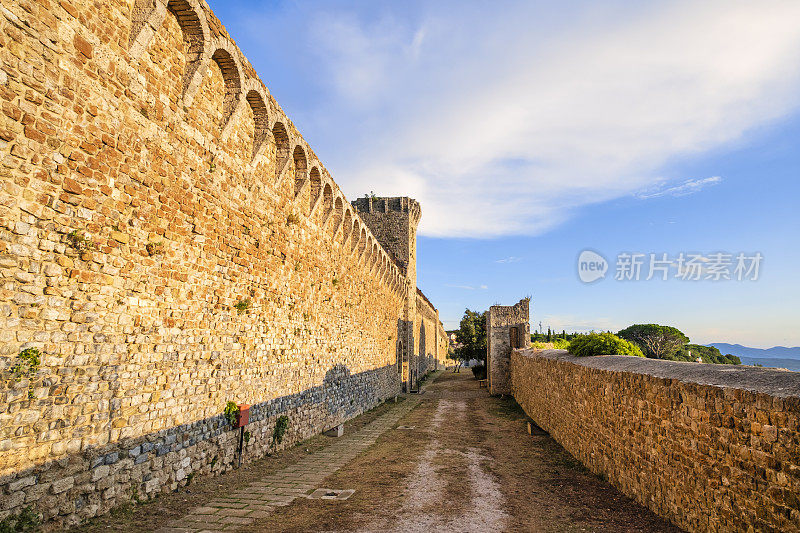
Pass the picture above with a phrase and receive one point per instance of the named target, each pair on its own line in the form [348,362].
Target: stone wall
[394,223]
[432,339]
[505,325]
[709,447]
[168,242]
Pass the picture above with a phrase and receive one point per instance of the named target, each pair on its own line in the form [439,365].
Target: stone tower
[394,223]
[507,328]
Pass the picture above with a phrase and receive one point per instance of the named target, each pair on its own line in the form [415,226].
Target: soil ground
[460,461]
[469,464]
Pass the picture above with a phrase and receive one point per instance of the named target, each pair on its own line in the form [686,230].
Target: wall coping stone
[772,381]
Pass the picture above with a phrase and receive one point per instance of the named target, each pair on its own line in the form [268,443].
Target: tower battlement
[394,222]
[398,204]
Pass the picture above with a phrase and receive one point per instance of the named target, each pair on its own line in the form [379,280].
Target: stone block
[336,431]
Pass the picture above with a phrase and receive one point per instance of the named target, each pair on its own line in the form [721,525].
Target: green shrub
[231,412]
[479,371]
[555,344]
[560,344]
[602,344]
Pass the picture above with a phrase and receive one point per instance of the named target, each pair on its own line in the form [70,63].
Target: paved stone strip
[231,511]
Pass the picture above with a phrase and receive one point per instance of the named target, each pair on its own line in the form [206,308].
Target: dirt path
[451,459]
[464,462]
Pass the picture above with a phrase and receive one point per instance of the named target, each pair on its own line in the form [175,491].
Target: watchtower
[394,223]
[507,328]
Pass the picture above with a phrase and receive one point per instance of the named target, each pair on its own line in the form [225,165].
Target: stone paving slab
[228,512]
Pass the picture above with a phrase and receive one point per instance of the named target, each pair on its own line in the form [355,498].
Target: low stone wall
[83,485]
[709,447]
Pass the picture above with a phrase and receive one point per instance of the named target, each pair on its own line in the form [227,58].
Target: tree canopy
[656,341]
[471,334]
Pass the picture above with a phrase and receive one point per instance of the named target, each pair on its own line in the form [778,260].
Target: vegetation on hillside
[708,354]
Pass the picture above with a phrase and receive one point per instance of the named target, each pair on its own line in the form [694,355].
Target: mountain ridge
[776,352]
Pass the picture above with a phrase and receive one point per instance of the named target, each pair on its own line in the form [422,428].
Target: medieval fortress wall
[709,447]
[169,242]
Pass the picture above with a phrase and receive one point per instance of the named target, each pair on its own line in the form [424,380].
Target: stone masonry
[170,242]
[421,342]
[709,447]
[507,328]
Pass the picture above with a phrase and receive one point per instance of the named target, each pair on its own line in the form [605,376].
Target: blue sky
[529,133]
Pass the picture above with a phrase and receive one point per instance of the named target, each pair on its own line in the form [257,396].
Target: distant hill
[777,352]
[772,362]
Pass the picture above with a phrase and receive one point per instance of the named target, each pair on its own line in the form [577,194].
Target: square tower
[394,223]
[507,328]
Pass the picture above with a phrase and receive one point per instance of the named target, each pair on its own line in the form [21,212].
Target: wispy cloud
[510,259]
[467,287]
[587,103]
[684,189]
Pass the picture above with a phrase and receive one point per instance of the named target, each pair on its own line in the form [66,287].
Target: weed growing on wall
[27,365]
[80,240]
[242,305]
[281,425]
[26,520]
[231,413]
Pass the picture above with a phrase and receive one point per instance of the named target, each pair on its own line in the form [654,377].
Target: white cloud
[467,287]
[509,259]
[505,120]
[684,189]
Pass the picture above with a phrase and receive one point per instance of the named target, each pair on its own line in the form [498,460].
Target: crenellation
[170,242]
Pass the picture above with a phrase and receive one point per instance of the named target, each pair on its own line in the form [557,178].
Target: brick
[83,46]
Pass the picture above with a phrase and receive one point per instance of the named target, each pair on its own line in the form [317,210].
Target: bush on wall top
[602,344]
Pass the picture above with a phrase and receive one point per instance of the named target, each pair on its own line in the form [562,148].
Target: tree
[657,342]
[472,336]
